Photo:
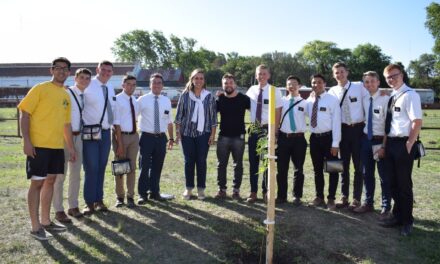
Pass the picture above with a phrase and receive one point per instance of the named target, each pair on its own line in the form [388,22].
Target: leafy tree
[367,57]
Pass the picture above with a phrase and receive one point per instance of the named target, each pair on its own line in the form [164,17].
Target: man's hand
[120,153]
[170,144]
[409,146]
[211,140]
[29,149]
[72,155]
[219,93]
[380,153]
[334,152]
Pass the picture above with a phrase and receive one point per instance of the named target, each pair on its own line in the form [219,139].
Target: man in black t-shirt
[232,106]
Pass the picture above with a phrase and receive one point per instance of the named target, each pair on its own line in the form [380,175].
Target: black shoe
[130,203]
[142,200]
[392,222]
[297,201]
[156,196]
[406,230]
[119,202]
[280,200]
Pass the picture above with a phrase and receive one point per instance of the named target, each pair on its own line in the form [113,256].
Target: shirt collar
[400,89]
[126,96]
[153,95]
[76,90]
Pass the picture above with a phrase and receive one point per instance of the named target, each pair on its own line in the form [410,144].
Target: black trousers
[350,146]
[320,150]
[292,148]
[398,166]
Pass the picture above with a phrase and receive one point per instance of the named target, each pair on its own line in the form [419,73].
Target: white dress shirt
[328,116]
[75,111]
[94,101]
[253,92]
[146,111]
[354,99]
[299,114]
[406,109]
[122,113]
[380,104]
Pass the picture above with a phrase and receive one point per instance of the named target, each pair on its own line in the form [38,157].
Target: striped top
[185,110]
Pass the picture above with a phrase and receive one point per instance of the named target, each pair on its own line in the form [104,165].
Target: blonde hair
[189,85]
[371,74]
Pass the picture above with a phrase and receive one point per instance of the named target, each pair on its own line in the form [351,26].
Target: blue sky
[84,31]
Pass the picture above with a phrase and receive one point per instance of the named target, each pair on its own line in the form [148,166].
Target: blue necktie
[156,115]
[291,116]
[370,120]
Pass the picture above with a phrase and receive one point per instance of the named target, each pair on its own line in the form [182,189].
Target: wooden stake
[270,221]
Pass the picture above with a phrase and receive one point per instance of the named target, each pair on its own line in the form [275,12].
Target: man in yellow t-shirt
[45,124]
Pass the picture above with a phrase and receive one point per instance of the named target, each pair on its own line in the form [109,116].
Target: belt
[291,135]
[375,137]
[353,125]
[76,133]
[128,133]
[397,139]
[154,135]
[328,133]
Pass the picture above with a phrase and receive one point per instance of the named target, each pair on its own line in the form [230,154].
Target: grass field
[218,231]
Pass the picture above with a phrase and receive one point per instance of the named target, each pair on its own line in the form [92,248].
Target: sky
[85,30]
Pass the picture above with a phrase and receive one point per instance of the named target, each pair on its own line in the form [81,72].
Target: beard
[229,91]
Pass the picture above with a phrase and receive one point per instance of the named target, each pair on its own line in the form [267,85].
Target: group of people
[66,128]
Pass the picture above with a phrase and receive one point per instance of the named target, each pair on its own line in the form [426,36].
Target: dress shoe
[297,201]
[365,208]
[391,222]
[385,214]
[130,202]
[406,230]
[74,212]
[252,197]
[354,204]
[156,196]
[142,200]
[331,206]
[89,210]
[236,194]
[318,202]
[342,203]
[62,217]
[100,206]
[119,202]
[221,194]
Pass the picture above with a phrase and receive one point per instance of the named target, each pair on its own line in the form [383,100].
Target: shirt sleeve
[170,113]
[30,101]
[336,126]
[116,113]
[414,106]
[279,102]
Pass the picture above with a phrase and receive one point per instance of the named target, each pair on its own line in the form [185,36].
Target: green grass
[214,231]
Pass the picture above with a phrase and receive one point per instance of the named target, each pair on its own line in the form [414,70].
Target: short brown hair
[156,75]
[339,65]
[391,67]
[262,67]
[318,75]
[105,62]
[61,59]
[83,71]
[292,77]
[228,76]
[371,74]
[128,77]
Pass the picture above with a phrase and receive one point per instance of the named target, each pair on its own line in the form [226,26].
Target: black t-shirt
[232,111]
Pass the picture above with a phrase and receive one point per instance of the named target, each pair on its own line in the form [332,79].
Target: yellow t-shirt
[49,109]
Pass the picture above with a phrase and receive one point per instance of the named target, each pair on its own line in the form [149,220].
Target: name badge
[397,109]
[322,109]
[114,98]
[301,109]
[166,112]
[376,111]
[266,101]
[353,99]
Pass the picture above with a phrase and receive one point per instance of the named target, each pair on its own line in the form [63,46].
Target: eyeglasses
[392,77]
[59,68]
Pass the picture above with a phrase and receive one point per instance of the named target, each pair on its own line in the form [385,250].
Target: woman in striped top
[196,122]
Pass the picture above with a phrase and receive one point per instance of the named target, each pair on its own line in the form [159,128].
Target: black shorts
[46,161]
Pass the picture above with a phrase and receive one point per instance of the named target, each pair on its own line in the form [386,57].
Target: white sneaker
[187,194]
[201,194]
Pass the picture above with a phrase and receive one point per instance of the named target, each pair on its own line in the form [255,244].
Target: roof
[42,69]
[169,75]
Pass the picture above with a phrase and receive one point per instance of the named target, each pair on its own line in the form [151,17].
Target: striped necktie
[156,115]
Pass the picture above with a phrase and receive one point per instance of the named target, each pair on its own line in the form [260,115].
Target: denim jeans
[195,151]
[368,167]
[95,157]
[226,146]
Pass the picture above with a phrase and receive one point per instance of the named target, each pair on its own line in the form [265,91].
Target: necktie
[109,105]
[370,120]
[133,119]
[259,106]
[346,108]
[156,115]
[314,121]
[291,116]
[81,122]
[389,116]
